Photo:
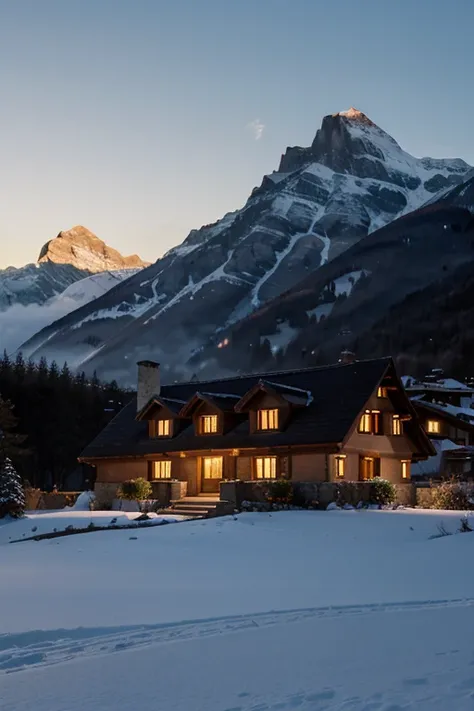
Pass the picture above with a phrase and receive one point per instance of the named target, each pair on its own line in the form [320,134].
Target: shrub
[382,492]
[280,491]
[135,490]
[451,496]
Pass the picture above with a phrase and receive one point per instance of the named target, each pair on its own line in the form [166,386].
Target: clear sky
[142,119]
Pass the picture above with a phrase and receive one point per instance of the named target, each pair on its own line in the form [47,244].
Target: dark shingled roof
[339,393]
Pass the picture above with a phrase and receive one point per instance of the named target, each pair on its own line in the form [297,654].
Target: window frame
[158,465]
[272,461]
[340,465]
[405,467]
[371,422]
[268,416]
[397,426]
[166,424]
[376,467]
[436,424]
[211,418]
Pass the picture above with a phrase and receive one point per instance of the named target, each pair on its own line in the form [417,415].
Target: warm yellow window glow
[371,422]
[366,423]
[369,468]
[267,419]
[212,468]
[433,426]
[162,470]
[265,467]
[382,392]
[396,425]
[164,428]
[405,468]
[208,424]
[340,465]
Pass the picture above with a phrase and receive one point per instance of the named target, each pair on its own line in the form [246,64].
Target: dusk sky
[144,119]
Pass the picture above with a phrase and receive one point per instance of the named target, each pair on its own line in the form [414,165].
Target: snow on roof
[441,384]
[461,412]
[289,387]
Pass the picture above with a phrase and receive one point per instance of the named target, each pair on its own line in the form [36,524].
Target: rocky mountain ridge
[351,181]
[71,256]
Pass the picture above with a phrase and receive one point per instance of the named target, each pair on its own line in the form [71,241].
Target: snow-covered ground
[43,522]
[339,610]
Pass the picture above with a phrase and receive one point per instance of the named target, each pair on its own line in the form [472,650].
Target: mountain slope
[349,302]
[323,199]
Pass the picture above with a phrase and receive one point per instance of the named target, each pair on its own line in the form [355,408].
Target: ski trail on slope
[47,647]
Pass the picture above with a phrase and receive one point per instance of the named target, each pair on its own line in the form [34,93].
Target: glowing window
[267,419]
[164,428]
[208,424]
[340,465]
[162,470]
[265,467]
[396,425]
[433,426]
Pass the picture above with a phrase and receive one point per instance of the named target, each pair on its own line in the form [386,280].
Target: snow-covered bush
[452,496]
[382,492]
[135,490]
[12,496]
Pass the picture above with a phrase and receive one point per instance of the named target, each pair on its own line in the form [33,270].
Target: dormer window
[381,392]
[208,424]
[164,428]
[267,419]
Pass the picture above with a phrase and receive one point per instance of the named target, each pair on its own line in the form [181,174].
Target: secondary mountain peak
[82,249]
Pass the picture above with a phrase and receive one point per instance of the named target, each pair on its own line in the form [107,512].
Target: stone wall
[314,494]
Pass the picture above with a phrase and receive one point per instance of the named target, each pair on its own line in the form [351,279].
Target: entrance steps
[199,507]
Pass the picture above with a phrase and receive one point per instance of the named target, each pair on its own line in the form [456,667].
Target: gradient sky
[142,119]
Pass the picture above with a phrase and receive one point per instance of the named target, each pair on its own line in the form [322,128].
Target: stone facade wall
[105,493]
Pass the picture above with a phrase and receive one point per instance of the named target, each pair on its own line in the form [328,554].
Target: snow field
[337,610]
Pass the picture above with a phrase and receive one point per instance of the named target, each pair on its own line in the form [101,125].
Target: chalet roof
[171,404]
[339,393]
[460,417]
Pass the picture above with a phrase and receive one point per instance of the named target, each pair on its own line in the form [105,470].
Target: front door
[211,474]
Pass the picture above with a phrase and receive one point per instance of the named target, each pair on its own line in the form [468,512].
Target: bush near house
[280,492]
[135,490]
[452,496]
[382,492]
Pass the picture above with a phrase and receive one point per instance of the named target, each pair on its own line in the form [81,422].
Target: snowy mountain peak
[84,250]
[355,115]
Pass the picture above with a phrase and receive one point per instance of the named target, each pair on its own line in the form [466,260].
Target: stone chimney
[148,382]
[346,357]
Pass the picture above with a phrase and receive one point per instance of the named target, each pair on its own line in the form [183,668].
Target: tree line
[48,415]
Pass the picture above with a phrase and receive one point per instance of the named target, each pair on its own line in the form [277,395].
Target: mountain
[390,293]
[70,256]
[84,250]
[323,199]
[72,269]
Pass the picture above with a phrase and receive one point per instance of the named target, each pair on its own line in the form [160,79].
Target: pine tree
[12,496]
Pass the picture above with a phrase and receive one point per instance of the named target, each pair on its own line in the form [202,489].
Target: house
[349,421]
[445,411]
